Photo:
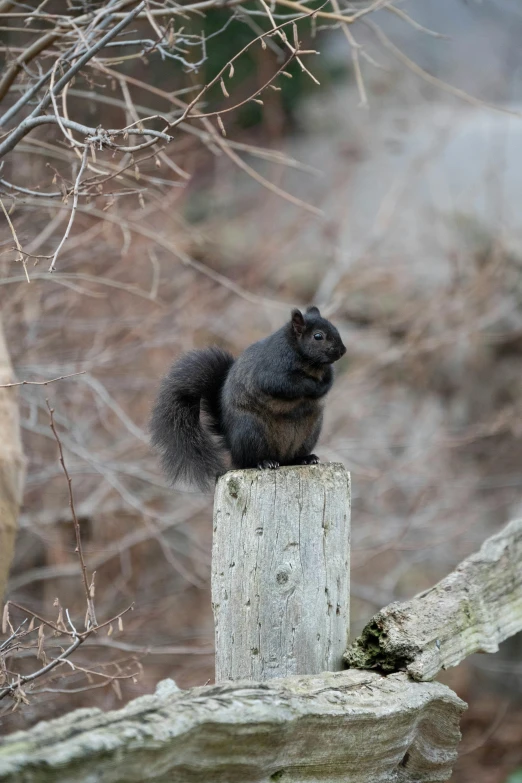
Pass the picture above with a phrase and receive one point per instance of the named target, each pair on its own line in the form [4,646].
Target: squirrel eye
[318,336]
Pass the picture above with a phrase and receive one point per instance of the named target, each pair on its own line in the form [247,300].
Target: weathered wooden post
[280,571]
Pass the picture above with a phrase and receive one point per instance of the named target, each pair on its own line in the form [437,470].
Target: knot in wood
[285,576]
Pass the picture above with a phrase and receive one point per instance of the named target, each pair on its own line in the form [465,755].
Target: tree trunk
[12,465]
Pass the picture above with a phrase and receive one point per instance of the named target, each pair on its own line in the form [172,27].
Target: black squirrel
[265,407]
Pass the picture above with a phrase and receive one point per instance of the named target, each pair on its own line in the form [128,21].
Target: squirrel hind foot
[311,459]
[268,464]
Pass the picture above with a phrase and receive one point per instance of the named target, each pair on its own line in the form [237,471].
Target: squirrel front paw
[268,464]
[311,459]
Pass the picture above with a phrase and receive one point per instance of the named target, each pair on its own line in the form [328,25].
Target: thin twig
[28,54]
[88,55]
[265,182]
[17,243]
[82,634]
[91,616]
[354,49]
[41,383]
[31,613]
[428,77]
[413,23]
[282,35]
[14,635]
[73,211]
[226,67]
[70,138]
[30,677]
[95,135]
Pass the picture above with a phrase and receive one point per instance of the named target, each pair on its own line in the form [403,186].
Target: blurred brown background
[417,259]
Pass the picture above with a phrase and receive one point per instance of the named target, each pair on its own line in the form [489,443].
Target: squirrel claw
[311,459]
[268,464]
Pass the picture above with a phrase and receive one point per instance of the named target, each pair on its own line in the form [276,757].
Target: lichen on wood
[471,610]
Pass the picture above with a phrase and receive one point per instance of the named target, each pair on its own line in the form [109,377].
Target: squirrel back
[265,407]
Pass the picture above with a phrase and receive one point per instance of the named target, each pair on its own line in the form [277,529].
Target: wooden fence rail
[351,726]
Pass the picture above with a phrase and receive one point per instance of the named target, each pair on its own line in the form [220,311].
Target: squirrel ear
[298,322]
[313,310]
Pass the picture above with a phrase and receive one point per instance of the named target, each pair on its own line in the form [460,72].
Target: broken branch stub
[471,610]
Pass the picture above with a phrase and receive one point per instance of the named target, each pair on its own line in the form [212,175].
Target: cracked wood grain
[280,571]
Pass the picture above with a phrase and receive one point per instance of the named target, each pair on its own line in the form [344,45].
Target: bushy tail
[188,450]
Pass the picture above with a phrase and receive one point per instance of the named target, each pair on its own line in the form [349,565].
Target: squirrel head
[317,340]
